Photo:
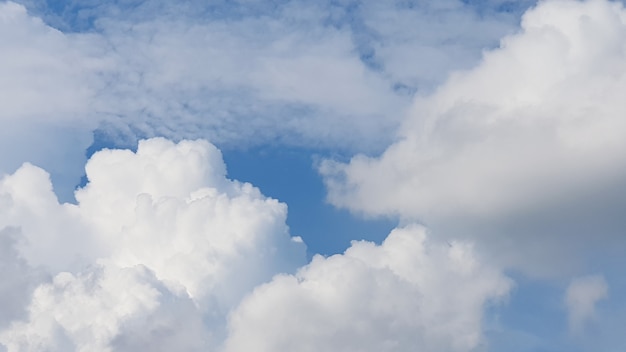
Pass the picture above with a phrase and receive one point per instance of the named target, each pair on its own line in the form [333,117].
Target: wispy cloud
[301,72]
[312,74]
[581,297]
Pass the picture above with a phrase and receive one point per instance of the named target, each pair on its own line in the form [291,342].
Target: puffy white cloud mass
[157,237]
[581,297]
[407,293]
[161,249]
[107,309]
[529,142]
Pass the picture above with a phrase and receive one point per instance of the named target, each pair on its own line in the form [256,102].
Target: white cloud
[160,245]
[43,69]
[107,309]
[297,71]
[48,82]
[18,279]
[529,141]
[153,232]
[246,82]
[401,295]
[161,248]
[581,297]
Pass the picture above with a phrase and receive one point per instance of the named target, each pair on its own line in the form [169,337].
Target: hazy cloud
[581,297]
[49,80]
[302,72]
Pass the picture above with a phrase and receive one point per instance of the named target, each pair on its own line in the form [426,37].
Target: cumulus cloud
[107,309]
[404,294]
[528,142]
[581,297]
[161,249]
[155,234]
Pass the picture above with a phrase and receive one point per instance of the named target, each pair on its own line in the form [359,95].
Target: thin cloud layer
[300,72]
[581,297]
[303,73]
[527,145]
[161,248]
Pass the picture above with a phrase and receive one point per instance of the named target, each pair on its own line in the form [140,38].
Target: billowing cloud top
[404,293]
[161,248]
[158,222]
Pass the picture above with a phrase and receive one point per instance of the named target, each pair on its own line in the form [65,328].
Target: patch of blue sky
[289,175]
[535,317]
[516,7]
[533,320]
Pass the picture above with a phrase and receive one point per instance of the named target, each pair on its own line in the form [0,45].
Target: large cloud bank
[529,143]
[161,248]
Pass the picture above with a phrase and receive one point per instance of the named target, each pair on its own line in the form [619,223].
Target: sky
[298,175]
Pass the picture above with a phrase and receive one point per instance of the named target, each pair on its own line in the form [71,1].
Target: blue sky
[312,175]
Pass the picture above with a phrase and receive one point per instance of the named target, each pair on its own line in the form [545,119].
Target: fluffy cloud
[405,293]
[155,235]
[581,297]
[161,249]
[107,309]
[528,143]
